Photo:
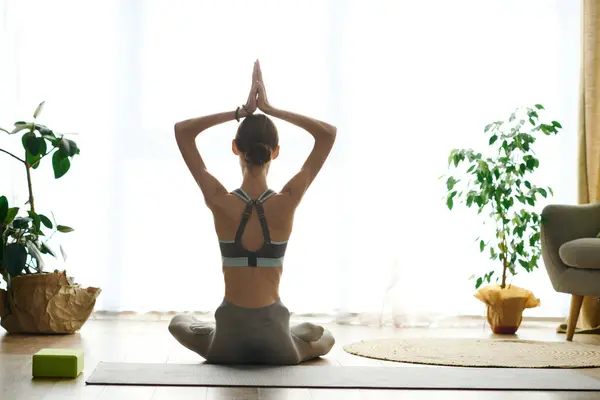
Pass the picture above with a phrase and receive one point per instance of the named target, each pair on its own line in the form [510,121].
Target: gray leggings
[252,336]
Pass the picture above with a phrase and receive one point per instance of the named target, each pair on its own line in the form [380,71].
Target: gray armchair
[571,253]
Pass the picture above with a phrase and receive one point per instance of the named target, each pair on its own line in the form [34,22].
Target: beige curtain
[589,139]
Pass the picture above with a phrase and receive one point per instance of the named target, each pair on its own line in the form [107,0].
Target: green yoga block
[57,363]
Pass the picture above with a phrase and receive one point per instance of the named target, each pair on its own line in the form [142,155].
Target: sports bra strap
[244,221]
[242,194]
[248,211]
[263,222]
[266,194]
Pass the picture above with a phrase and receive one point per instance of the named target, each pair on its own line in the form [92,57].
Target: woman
[253,225]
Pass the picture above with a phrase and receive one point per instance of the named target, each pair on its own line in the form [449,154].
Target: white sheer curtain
[404,81]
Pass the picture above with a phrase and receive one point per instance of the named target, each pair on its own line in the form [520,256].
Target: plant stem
[504,267]
[27,169]
[30,188]
[50,237]
[496,205]
[504,251]
[12,155]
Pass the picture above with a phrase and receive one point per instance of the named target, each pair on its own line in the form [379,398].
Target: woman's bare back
[253,287]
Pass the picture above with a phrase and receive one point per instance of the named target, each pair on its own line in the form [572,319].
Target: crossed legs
[310,340]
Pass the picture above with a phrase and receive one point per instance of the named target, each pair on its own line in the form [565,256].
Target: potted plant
[36,301]
[498,185]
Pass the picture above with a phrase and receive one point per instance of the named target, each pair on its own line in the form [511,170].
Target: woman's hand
[251,104]
[263,101]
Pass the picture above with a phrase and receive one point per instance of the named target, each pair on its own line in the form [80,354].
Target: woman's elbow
[331,133]
[329,130]
[181,131]
[177,128]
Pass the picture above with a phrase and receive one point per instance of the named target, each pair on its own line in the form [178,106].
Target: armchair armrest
[561,224]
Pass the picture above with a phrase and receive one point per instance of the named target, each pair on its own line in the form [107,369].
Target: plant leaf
[63,252]
[65,147]
[39,109]
[493,139]
[15,257]
[450,183]
[45,249]
[25,138]
[32,144]
[46,221]
[3,209]
[10,216]
[44,130]
[450,200]
[21,127]
[73,149]
[64,229]
[539,107]
[42,144]
[21,223]
[35,253]
[60,164]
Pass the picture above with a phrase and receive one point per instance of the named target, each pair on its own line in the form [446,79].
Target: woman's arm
[323,133]
[186,133]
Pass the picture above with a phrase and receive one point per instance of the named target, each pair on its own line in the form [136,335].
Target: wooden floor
[139,341]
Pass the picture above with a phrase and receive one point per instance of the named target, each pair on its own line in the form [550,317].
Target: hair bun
[259,154]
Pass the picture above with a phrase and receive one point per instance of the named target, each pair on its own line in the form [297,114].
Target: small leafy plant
[23,239]
[500,186]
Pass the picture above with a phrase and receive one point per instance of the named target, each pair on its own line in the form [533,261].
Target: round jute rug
[507,353]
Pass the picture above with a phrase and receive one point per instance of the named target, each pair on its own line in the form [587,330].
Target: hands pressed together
[258,95]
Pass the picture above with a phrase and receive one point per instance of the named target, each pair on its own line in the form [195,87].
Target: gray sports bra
[271,254]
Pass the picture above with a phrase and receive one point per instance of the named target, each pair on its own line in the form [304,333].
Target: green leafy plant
[499,185]
[24,239]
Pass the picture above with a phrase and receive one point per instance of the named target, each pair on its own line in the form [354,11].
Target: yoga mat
[342,377]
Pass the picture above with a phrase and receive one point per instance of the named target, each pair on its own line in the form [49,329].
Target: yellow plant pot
[505,306]
[46,303]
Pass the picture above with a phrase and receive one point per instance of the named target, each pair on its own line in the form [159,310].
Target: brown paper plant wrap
[46,303]
[505,306]
[35,301]
[497,183]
